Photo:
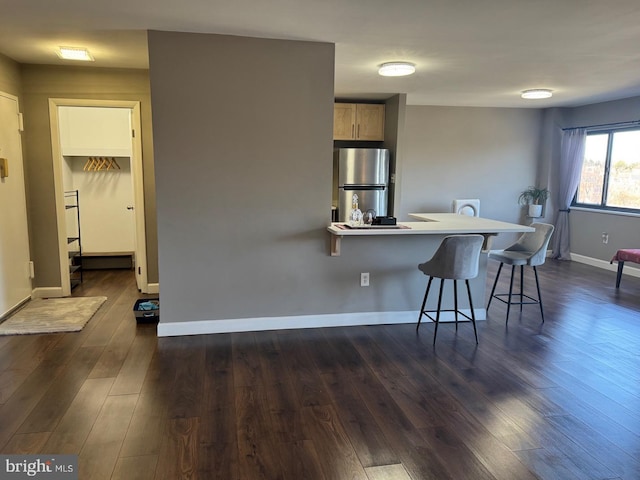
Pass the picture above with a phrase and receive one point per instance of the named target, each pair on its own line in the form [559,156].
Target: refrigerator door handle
[363,187]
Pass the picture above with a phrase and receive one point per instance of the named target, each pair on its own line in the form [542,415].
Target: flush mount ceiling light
[396,69]
[537,93]
[75,53]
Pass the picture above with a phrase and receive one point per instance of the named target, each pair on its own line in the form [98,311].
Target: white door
[15,279]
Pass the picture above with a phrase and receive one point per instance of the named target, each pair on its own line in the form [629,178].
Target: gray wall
[243,142]
[395,113]
[587,227]
[458,152]
[10,81]
[39,83]
[243,145]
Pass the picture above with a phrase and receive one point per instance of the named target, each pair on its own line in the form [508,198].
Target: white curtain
[571,159]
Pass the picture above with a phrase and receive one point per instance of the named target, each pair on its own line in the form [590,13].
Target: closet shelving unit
[74,242]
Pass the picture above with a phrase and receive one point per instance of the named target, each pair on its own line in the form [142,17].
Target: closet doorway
[93,156]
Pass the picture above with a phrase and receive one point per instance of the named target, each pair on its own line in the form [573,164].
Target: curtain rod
[630,122]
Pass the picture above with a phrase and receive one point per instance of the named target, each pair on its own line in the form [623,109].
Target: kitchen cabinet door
[344,121]
[358,121]
[370,122]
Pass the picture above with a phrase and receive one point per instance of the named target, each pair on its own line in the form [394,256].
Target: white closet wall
[106,224]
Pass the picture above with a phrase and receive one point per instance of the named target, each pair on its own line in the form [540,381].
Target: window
[610,177]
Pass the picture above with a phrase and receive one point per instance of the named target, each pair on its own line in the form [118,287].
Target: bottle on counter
[355,218]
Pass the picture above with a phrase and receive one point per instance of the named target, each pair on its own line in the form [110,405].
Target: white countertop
[436,224]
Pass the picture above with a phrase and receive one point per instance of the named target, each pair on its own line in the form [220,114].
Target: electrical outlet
[364,279]
[605,237]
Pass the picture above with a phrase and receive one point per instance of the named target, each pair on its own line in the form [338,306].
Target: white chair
[467,206]
[456,259]
[530,249]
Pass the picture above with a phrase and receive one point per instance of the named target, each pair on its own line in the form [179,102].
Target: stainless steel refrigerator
[363,172]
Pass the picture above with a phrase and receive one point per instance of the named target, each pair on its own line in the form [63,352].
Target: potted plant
[535,198]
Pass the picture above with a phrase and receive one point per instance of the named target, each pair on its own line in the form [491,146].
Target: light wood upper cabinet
[358,121]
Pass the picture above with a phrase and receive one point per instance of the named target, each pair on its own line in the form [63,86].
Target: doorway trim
[138,185]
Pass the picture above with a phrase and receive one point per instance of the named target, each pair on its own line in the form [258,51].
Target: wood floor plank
[624,436]
[549,465]
[99,454]
[20,405]
[185,397]
[458,384]
[304,373]
[256,453]
[247,368]
[26,443]
[138,468]
[134,369]
[115,353]
[364,433]
[600,449]
[299,459]
[387,472]
[322,424]
[56,400]
[145,433]
[218,460]
[20,359]
[117,309]
[72,431]
[178,457]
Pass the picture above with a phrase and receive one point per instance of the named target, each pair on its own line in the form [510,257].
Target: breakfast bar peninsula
[415,242]
[429,224]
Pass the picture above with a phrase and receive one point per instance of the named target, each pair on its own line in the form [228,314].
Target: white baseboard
[14,308]
[205,327]
[153,288]
[594,262]
[47,292]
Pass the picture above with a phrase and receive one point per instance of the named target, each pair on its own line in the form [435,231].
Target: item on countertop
[384,221]
[355,219]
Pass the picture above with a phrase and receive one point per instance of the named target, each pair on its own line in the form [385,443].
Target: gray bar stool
[456,259]
[530,249]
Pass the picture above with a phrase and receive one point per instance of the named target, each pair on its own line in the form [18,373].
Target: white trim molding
[595,262]
[152,288]
[47,292]
[14,309]
[171,329]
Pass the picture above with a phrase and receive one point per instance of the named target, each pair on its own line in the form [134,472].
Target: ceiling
[467,52]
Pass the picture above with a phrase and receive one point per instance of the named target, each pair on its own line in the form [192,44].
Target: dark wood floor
[553,401]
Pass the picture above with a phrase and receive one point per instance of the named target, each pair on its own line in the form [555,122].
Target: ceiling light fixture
[75,53]
[536,93]
[396,69]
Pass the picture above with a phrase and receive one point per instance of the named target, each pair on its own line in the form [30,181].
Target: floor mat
[52,315]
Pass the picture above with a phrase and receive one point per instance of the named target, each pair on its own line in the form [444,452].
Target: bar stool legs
[521,294]
[530,249]
[535,271]
[456,311]
[456,258]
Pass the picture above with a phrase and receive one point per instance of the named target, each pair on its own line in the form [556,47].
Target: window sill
[607,212]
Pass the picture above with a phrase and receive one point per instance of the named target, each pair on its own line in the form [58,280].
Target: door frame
[138,186]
